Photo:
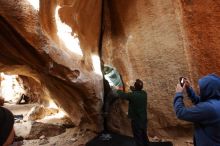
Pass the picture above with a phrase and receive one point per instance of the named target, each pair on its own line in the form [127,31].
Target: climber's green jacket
[137,104]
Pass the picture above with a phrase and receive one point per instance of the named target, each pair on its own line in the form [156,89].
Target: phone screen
[182,80]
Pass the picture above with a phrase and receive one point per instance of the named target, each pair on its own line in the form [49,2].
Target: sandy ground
[68,139]
[72,136]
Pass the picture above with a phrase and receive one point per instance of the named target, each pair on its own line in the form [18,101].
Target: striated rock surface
[201,24]
[143,40]
[159,41]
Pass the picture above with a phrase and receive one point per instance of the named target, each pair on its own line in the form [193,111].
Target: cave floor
[121,140]
[76,137]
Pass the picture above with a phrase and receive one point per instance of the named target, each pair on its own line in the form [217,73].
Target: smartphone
[182,81]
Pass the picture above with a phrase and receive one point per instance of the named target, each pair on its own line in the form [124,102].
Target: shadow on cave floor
[121,140]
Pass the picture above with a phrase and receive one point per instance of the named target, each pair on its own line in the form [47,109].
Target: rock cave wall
[159,41]
[201,25]
[38,52]
[154,40]
[33,90]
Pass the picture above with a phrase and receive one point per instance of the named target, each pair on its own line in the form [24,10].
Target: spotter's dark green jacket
[137,104]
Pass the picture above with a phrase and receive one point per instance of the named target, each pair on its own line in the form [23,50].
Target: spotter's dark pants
[139,129]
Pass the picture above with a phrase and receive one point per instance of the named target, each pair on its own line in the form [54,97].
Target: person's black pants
[139,129]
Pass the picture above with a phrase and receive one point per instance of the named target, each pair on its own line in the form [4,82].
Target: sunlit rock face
[55,46]
[12,87]
[158,41]
[33,90]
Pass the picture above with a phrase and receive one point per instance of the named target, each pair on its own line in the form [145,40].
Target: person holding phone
[205,113]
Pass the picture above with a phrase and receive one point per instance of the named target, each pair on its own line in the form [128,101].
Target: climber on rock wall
[137,111]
